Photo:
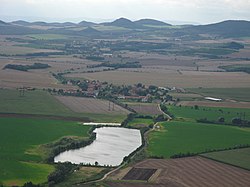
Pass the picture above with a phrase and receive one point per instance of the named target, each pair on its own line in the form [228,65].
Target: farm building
[213,99]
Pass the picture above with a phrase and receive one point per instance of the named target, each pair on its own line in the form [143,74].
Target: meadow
[238,157]
[183,137]
[21,160]
[211,113]
[140,122]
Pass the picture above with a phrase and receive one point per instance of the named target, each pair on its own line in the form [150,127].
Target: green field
[183,137]
[211,113]
[140,122]
[47,36]
[239,94]
[33,102]
[41,102]
[238,157]
[20,159]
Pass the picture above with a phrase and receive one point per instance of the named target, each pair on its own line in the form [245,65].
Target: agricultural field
[35,78]
[187,172]
[33,102]
[170,78]
[238,94]
[91,105]
[39,103]
[211,113]
[182,137]
[222,104]
[139,174]
[237,157]
[47,36]
[21,160]
[145,108]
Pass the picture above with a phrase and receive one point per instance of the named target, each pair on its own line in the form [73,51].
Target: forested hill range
[121,26]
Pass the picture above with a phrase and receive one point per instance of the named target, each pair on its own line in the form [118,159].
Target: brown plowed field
[145,108]
[191,172]
[139,174]
[91,105]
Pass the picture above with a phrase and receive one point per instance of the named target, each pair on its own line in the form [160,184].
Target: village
[137,92]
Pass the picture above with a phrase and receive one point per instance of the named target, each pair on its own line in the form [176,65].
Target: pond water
[112,144]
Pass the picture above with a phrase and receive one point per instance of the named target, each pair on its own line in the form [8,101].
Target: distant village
[137,92]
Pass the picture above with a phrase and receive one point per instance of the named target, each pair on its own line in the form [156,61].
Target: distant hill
[18,30]
[230,28]
[3,23]
[151,22]
[86,23]
[89,31]
[123,22]
[21,22]
[40,23]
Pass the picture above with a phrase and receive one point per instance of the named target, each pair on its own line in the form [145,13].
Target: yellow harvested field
[91,105]
[185,79]
[16,79]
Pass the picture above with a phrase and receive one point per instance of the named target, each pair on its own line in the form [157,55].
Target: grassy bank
[20,158]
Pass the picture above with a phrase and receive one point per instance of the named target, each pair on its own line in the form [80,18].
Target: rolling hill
[151,22]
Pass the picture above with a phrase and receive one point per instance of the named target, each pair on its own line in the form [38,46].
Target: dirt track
[40,116]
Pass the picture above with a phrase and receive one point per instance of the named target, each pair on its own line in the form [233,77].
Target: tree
[96,163]
[236,121]
[160,118]
[221,120]
[196,107]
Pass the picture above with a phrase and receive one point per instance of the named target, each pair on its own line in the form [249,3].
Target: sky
[182,11]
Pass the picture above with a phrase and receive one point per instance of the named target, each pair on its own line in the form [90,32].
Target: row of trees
[221,120]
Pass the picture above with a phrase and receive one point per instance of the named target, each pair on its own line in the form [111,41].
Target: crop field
[36,79]
[42,103]
[139,174]
[171,78]
[239,94]
[211,113]
[91,105]
[20,159]
[145,108]
[183,137]
[237,157]
[47,36]
[223,104]
[33,102]
[187,172]
[18,50]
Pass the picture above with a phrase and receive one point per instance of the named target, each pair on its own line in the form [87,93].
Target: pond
[112,144]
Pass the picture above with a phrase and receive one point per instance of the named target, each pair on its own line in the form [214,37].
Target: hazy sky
[200,11]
